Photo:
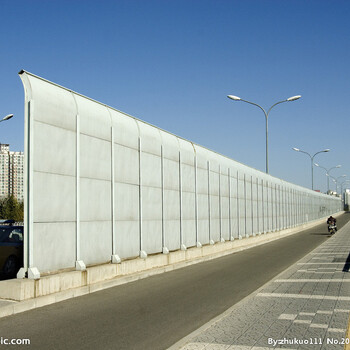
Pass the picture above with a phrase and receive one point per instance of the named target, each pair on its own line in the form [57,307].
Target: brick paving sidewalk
[305,307]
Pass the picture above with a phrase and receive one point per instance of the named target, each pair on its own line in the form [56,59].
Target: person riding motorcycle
[332,221]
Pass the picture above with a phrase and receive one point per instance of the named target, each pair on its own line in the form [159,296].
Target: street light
[341,185]
[312,161]
[335,183]
[9,116]
[336,180]
[327,172]
[293,98]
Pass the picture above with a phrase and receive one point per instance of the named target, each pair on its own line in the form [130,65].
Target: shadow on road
[347,264]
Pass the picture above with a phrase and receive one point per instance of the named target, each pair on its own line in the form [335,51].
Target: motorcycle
[332,229]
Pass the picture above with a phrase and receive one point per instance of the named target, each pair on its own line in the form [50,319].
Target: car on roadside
[11,248]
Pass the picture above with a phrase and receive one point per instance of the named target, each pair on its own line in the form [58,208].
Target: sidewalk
[305,307]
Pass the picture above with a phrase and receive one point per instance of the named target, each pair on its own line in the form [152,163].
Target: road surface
[156,312]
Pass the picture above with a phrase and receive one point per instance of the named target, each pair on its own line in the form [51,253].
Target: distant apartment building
[11,172]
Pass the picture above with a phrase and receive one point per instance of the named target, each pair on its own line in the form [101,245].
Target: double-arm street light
[293,98]
[312,161]
[9,116]
[327,172]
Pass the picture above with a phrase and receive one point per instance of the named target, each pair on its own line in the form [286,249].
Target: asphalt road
[156,312]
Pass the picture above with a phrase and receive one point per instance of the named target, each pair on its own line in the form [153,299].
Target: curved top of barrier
[152,136]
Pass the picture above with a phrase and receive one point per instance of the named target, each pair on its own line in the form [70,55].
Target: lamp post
[312,161]
[327,172]
[9,116]
[293,98]
[345,207]
[336,181]
[342,184]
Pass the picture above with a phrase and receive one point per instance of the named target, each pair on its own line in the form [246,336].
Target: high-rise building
[11,172]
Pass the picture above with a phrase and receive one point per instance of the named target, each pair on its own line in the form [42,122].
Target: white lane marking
[323,263]
[290,317]
[303,296]
[302,321]
[323,312]
[330,253]
[307,313]
[341,310]
[311,271]
[337,330]
[302,280]
[317,325]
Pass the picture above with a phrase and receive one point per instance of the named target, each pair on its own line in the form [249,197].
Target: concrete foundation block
[101,272]
[72,279]
[220,247]
[17,289]
[229,245]
[131,266]
[207,250]
[194,253]
[47,285]
[177,256]
[156,261]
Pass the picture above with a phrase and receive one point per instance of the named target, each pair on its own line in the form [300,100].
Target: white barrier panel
[104,186]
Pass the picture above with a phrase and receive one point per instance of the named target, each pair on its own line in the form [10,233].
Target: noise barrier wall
[103,185]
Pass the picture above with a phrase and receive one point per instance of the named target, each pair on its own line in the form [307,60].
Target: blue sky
[173,62]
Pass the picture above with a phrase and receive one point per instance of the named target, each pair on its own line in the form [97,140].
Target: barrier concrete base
[64,285]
